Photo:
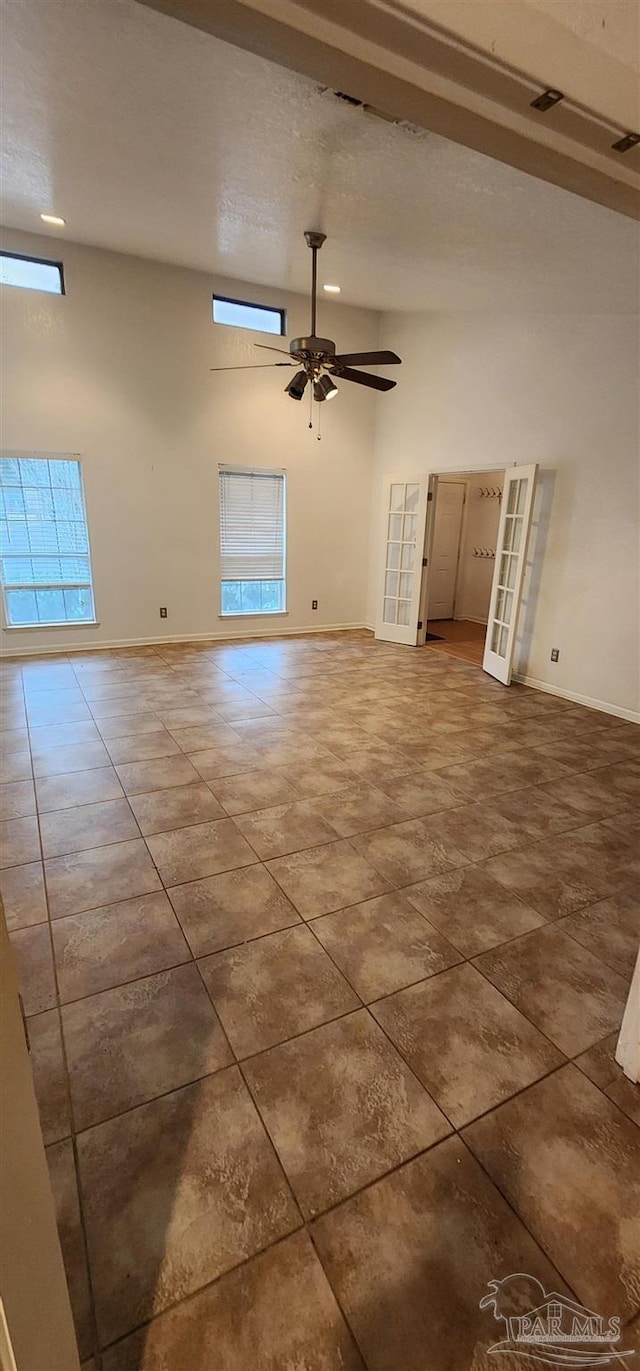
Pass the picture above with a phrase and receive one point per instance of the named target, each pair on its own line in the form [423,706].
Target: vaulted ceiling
[152,138]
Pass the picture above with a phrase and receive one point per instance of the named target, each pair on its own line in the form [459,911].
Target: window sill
[258,614]
[34,628]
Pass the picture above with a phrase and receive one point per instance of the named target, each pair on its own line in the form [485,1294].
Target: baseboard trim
[69,649]
[631,715]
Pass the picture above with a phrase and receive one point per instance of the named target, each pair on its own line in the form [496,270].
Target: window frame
[255,613]
[250,304]
[38,262]
[57,623]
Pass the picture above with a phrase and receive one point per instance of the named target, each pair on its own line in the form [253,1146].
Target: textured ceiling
[152,138]
[612,25]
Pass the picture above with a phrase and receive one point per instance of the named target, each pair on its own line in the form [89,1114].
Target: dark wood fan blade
[362,378]
[369,359]
[266,347]
[255,366]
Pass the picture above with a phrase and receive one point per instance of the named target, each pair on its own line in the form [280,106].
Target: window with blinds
[44,543]
[252,541]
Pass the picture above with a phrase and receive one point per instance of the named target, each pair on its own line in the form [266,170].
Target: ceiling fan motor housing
[312,347]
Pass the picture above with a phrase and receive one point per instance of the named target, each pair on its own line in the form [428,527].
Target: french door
[511,553]
[404,522]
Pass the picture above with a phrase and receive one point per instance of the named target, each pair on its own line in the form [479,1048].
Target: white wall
[480,391]
[118,371]
[479,529]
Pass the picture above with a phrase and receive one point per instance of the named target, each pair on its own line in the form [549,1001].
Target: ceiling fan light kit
[297,384]
[317,359]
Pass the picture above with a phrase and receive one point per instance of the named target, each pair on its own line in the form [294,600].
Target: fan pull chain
[311,406]
[319,423]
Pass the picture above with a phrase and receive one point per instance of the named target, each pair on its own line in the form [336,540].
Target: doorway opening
[466,520]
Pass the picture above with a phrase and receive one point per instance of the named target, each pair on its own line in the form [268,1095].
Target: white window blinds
[252,525]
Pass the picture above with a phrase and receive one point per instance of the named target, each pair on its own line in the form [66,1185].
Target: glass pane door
[403,541]
[515,519]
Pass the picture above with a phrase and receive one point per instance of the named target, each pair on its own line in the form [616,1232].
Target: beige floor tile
[252,791]
[15,765]
[234,710]
[49,1075]
[276,1311]
[419,793]
[117,943]
[231,908]
[568,1161]
[23,895]
[17,799]
[142,747]
[99,876]
[34,959]
[626,1094]
[357,809]
[285,828]
[122,726]
[12,740]
[58,761]
[327,878]
[275,987]
[19,842]
[536,812]
[78,788]
[469,1060]
[170,1013]
[555,877]
[185,854]
[610,930]
[390,1254]
[186,1186]
[161,773]
[471,910]
[381,763]
[593,794]
[288,751]
[93,825]
[230,759]
[498,774]
[67,713]
[162,810]
[203,736]
[62,1173]
[188,716]
[476,830]
[45,736]
[599,1062]
[342,1108]
[581,754]
[409,851]
[320,778]
[570,995]
[383,945]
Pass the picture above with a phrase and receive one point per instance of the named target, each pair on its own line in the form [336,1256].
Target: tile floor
[323,945]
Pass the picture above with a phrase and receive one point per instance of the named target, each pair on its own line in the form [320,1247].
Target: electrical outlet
[555,653]
[314,604]
[163,611]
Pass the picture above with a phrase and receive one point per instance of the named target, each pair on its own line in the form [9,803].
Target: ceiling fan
[319,363]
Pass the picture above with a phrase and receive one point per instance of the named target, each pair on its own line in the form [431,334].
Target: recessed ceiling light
[332,290]
[53,219]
